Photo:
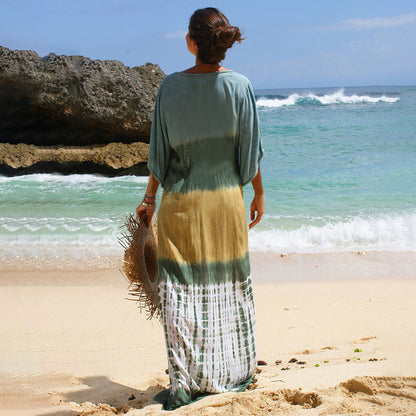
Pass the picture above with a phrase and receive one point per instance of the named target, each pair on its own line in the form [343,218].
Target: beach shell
[140,264]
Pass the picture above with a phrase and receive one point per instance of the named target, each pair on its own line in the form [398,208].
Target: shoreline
[266,267]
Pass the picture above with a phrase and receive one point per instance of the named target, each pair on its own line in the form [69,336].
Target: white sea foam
[92,242]
[389,232]
[71,228]
[59,229]
[32,228]
[72,179]
[10,228]
[337,97]
[98,228]
[51,227]
[59,243]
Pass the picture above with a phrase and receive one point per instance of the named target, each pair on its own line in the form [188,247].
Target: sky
[289,44]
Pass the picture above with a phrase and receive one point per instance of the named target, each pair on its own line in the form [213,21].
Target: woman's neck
[202,68]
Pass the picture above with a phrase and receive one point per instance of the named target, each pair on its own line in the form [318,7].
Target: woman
[205,145]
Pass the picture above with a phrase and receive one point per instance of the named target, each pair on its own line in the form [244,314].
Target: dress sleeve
[159,148]
[250,143]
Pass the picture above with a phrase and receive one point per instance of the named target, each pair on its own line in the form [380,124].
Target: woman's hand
[146,211]
[148,205]
[257,206]
[258,201]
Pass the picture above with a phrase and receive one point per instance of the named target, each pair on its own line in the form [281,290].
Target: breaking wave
[337,97]
[69,243]
[394,232]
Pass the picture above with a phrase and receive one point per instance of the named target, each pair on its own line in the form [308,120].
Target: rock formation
[60,101]
[112,159]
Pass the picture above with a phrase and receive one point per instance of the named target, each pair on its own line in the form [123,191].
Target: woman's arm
[257,204]
[148,205]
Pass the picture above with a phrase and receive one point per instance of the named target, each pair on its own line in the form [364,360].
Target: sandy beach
[337,332]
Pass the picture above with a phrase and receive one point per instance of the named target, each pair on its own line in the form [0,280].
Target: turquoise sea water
[339,173]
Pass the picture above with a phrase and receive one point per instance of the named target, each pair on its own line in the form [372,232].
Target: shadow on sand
[104,394]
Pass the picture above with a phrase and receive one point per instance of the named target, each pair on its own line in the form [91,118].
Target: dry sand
[72,345]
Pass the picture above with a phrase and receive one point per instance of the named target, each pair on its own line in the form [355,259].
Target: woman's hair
[213,34]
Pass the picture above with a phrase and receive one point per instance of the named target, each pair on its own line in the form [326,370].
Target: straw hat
[140,264]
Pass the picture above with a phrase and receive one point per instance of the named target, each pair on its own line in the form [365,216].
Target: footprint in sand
[329,347]
[363,339]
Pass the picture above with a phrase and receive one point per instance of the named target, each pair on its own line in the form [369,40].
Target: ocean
[339,174]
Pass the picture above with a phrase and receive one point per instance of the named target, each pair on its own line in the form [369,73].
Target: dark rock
[73,100]
[261,362]
[293,360]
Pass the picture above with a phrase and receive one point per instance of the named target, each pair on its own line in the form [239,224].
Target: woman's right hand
[146,210]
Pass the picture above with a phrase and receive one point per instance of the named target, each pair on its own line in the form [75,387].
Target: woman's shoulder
[239,77]
[168,79]
[239,82]
[183,81]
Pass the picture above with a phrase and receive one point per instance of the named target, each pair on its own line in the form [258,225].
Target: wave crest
[337,97]
[388,232]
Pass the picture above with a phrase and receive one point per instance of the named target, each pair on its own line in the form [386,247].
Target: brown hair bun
[213,34]
[225,37]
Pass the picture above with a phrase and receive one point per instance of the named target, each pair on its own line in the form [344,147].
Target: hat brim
[140,264]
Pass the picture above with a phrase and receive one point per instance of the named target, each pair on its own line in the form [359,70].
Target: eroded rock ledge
[73,100]
[113,159]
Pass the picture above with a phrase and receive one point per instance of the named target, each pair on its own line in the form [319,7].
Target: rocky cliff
[72,106]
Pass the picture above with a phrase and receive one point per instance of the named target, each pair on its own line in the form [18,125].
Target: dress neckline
[205,73]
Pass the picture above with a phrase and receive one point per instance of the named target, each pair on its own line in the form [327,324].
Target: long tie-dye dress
[205,145]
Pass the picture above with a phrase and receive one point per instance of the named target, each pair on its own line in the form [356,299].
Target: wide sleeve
[250,137]
[159,148]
